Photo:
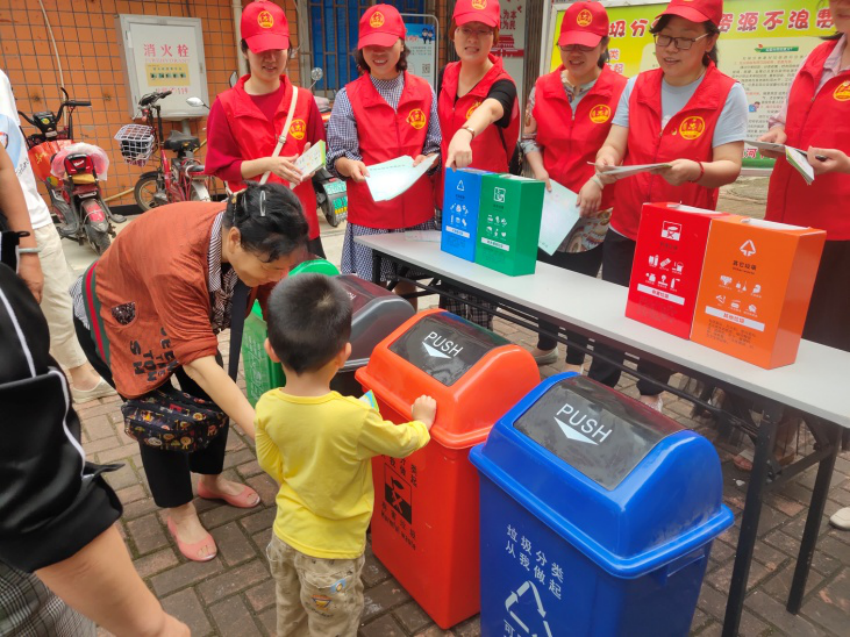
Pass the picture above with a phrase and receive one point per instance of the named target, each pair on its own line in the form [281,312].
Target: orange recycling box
[668,261]
[425,528]
[757,281]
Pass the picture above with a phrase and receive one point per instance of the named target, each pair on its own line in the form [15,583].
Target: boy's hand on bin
[424,410]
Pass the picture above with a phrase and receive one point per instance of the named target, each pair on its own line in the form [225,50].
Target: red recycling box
[668,262]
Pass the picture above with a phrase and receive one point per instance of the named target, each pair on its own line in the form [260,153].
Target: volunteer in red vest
[246,121]
[477,104]
[385,114]
[815,118]
[151,308]
[568,117]
[687,114]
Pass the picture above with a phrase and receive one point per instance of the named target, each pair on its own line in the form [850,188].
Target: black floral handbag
[172,420]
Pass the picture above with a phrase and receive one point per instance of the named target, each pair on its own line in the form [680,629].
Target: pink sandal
[242,501]
[192,551]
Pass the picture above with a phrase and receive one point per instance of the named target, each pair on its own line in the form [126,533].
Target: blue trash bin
[597,516]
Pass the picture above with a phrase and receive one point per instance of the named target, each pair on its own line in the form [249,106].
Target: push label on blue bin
[445,346]
[594,429]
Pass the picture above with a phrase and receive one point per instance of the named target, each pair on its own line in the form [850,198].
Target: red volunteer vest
[688,135]
[489,151]
[569,143]
[820,120]
[257,136]
[385,134]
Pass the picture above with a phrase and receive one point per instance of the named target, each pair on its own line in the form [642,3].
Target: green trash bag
[261,373]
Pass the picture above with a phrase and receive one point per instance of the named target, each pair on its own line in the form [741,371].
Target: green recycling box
[261,373]
[509,223]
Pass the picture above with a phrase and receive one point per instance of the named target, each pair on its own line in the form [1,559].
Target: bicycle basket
[137,143]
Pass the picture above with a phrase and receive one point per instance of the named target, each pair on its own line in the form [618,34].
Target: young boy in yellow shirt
[318,446]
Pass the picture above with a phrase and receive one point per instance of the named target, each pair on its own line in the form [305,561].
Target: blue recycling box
[461,191]
[597,516]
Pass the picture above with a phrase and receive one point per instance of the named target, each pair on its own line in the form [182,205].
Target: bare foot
[654,402]
[569,367]
[84,377]
[403,287]
[216,485]
[189,529]
[87,385]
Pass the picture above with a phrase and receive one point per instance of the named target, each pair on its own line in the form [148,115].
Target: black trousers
[828,316]
[587,263]
[618,255]
[168,472]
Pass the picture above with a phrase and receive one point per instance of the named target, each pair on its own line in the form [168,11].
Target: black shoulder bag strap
[515,164]
[239,306]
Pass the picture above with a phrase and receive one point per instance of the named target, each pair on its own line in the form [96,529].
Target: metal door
[334,36]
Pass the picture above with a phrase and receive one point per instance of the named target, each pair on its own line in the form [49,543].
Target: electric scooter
[75,195]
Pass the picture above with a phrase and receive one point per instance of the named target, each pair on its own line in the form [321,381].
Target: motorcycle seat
[195,168]
[180,141]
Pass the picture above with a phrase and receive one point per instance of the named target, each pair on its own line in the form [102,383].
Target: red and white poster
[511,46]
[512,32]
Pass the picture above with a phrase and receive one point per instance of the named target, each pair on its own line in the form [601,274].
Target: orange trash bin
[425,527]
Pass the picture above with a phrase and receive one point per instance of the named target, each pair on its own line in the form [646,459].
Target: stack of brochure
[390,179]
[796,157]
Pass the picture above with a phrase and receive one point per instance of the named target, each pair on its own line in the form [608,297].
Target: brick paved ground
[234,596]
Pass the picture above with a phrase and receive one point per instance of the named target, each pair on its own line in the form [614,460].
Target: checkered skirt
[357,259]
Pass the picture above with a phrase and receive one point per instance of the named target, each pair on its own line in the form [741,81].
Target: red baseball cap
[264,27]
[484,11]
[380,25]
[696,10]
[584,23]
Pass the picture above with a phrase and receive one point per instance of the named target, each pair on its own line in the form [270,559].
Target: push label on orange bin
[445,347]
[668,262]
[758,277]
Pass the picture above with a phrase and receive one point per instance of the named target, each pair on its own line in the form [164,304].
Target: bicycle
[174,180]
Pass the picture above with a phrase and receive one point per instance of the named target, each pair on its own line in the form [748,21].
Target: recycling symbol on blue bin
[514,599]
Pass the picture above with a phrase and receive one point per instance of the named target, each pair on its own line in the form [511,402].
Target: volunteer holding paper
[479,115]
[686,114]
[246,121]
[815,119]
[568,118]
[385,114]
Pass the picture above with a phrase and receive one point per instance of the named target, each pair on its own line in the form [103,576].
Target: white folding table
[817,385]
